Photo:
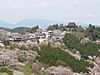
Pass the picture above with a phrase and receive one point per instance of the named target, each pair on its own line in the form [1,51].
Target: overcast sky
[86,11]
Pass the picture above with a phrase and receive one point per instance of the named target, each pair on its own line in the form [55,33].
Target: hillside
[18,29]
[43,23]
[6,29]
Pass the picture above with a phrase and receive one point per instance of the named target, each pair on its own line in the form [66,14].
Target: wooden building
[71,26]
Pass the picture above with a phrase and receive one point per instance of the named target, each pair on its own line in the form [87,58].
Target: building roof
[72,24]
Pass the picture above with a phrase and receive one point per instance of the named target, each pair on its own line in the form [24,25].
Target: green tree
[62,27]
[53,27]
[80,29]
[56,26]
[56,56]
[92,32]
[71,41]
[87,49]
[33,29]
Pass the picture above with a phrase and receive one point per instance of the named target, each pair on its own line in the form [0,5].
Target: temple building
[71,26]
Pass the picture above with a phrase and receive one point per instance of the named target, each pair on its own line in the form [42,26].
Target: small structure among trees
[72,26]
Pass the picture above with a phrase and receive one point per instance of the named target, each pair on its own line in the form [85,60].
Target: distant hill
[18,29]
[30,23]
[42,23]
[6,29]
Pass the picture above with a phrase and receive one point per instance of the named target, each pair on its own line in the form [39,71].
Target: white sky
[86,11]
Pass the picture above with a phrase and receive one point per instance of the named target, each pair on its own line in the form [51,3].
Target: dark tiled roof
[72,24]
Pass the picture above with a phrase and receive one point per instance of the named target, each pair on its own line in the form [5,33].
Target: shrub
[5,70]
[27,68]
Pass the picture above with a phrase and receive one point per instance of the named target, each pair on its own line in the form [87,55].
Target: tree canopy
[56,56]
[57,26]
[33,29]
[87,49]
[93,32]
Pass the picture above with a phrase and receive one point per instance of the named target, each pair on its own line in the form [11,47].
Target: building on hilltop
[71,26]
